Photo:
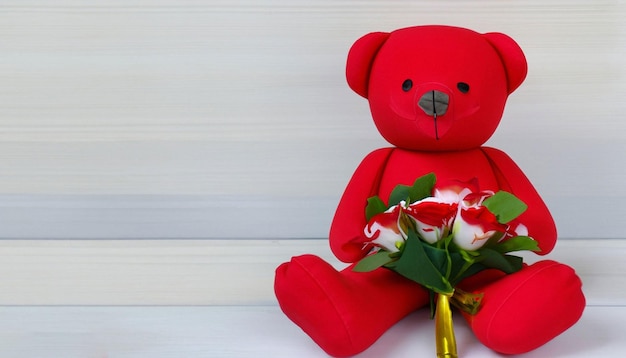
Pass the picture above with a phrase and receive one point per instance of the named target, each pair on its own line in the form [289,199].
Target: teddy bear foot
[344,312]
[524,310]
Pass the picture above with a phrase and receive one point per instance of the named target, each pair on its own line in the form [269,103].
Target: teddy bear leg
[524,310]
[344,312]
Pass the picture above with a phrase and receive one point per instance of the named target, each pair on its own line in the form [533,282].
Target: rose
[454,191]
[473,227]
[517,229]
[384,229]
[432,218]
[514,229]
[474,224]
[455,209]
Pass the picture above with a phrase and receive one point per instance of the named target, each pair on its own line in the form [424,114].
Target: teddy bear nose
[434,103]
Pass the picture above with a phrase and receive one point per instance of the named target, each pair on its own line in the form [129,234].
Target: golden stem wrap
[465,301]
[444,331]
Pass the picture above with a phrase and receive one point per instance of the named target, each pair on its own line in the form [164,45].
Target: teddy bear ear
[512,57]
[360,59]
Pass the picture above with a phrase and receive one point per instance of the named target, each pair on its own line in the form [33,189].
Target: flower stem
[444,330]
[466,301]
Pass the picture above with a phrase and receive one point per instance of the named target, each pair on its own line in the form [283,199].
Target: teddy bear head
[436,88]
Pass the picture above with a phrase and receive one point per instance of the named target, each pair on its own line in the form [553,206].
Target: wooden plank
[162,216]
[260,331]
[248,99]
[217,272]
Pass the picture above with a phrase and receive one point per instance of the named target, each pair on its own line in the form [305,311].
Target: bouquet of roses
[438,237]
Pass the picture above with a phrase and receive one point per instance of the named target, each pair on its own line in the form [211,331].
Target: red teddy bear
[437,93]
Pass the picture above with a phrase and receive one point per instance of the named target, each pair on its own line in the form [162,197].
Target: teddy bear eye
[463,87]
[407,85]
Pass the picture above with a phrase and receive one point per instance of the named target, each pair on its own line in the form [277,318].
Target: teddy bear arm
[537,217]
[349,220]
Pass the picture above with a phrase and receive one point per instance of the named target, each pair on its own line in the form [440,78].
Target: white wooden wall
[232,119]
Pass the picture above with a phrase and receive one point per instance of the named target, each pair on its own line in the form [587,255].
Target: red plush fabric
[472,76]
[525,310]
[402,167]
[358,74]
[344,312]
[537,216]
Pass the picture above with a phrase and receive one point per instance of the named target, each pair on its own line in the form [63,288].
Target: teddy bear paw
[524,310]
[344,312]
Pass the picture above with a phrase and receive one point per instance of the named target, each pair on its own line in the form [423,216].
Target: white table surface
[240,317]
[253,331]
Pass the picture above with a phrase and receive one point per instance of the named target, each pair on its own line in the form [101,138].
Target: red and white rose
[456,210]
[432,217]
[385,229]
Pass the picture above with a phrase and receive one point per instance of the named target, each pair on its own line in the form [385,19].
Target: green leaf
[517,243]
[464,264]
[473,269]
[373,261]
[374,206]
[493,259]
[505,206]
[399,193]
[516,262]
[437,256]
[415,264]
[460,263]
[421,188]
